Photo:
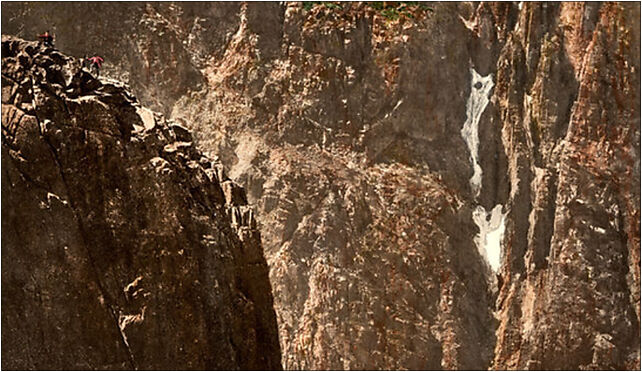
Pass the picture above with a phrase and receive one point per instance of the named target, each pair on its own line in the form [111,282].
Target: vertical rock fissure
[491,224]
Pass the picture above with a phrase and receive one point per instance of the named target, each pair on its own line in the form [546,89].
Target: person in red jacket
[46,39]
[95,63]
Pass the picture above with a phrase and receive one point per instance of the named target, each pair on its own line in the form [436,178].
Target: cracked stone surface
[344,126]
[119,250]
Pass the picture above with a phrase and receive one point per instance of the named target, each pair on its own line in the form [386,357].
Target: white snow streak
[480,87]
[491,231]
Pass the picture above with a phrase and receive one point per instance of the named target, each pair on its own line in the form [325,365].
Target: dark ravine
[123,247]
[344,124]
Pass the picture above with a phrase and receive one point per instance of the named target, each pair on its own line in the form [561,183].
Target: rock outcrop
[120,245]
[571,292]
[443,185]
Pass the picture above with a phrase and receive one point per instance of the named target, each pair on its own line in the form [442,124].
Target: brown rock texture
[571,292]
[122,247]
[371,137]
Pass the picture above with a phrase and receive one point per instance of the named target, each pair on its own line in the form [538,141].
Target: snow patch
[469,24]
[491,231]
[480,87]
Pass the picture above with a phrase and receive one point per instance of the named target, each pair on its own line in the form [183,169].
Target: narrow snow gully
[480,87]
[491,224]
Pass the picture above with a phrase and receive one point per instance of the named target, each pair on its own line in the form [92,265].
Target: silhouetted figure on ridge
[96,63]
[46,39]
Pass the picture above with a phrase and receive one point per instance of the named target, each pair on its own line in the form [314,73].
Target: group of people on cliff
[92,63]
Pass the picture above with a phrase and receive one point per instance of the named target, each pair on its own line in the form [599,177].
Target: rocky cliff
[123,246]
[438,185]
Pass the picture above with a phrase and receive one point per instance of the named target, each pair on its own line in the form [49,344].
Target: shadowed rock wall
[121,246]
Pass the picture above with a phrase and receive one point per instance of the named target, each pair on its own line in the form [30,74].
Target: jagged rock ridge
[123,246]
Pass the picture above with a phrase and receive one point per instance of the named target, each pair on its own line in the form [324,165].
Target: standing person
[96,63]
[85,62]
[46,39]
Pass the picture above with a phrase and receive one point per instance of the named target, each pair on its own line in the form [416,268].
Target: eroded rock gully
[375,146]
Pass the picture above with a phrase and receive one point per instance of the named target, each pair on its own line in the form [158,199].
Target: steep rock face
[571,293]
[369,272]
[373,262]
[123,246]
[557,154]
[345,126]
[265,111]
